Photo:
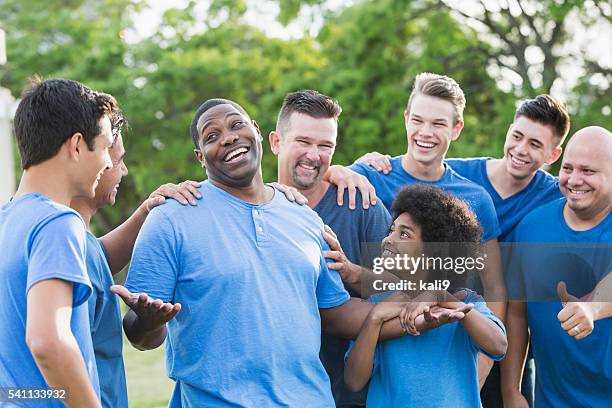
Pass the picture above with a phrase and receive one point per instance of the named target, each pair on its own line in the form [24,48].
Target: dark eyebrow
[518,132]
[227,115]
[406,227]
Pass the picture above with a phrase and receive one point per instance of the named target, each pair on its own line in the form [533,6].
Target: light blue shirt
[569,372]
[437,369]
[40,240]
[250,279]
[388,185]
[105,324]
[543,188]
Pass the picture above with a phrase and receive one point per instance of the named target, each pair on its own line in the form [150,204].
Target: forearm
[345,321]
[119,243]
[601,297]
[140,335]
[359,364]
[61,364]
[493,281]
[485,333]
[512,365]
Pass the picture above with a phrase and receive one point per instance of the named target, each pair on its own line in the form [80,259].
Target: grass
[148,384]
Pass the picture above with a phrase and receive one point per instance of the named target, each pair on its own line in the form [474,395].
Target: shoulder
[298,212]
[459,164]
[537,217]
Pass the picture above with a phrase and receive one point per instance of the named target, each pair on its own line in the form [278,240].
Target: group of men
[240,282]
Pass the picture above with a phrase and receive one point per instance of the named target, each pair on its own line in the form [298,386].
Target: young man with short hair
[63,131]
[304,142]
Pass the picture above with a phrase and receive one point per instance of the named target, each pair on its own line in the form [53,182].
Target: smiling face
[585,178]
[305,149]
[404,238]
[529,145]
[94,162]
[229,146]
[430,128]
[106,191]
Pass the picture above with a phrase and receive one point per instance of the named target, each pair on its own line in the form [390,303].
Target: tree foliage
[366,55]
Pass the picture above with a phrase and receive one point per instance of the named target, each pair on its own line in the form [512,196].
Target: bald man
[563,273]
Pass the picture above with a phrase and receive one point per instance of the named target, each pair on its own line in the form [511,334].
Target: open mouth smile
[236,154]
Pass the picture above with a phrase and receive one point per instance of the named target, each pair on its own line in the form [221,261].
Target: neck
[255,193]
[45,179]
[504,183]
[424,171]
[585,220]
[314,194]
[85,208]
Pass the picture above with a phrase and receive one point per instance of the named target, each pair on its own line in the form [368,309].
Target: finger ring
[576,329]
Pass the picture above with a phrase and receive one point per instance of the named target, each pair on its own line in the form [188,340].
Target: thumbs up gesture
[577,316]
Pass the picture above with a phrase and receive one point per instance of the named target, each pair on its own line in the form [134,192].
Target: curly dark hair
[448,227]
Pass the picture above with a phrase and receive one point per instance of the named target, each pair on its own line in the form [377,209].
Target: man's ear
[199,157]
[275,141]
[457,129]
[74,146]
[256,126]
[554,156]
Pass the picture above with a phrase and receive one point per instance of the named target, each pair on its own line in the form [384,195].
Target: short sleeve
[378,221]
[154,266]
[57,251]
[481,306]
[330,290]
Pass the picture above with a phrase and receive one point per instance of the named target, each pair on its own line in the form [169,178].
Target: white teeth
[518,161]
[424,144]
[578,191]
[233,154]
[306,166]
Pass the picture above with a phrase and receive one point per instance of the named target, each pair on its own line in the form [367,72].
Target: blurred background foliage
[364,53]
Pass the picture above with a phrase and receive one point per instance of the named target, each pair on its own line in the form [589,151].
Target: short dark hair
[547,111]
[443,219]
[308,102]
[208,104]
[439,86]
[51,111]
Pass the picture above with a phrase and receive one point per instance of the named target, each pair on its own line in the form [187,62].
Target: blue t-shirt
[388,185]
[569,372]
[105,324]
[359,231]
[40,240]
[250,279]
[542,189]
[438,368]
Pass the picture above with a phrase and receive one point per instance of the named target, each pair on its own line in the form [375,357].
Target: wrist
[375,317]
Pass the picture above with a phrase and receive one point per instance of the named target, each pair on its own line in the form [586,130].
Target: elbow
[499,346]
[44,348]
[353,384]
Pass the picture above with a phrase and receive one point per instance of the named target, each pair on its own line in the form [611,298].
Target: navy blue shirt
[354,228]
[476,197]
[542,189]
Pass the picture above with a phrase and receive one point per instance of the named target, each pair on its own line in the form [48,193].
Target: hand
[577,317]
[386,310]
[378,161]
[515,400]
[185,192]
[423,303]
[292,193]
[152,313]
[344,178]
[349,272]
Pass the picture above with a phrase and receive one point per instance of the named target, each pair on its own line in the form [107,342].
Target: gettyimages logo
[411,264]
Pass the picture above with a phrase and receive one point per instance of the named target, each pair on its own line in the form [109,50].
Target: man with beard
[107,256]
[304,142]
[244,268]
[572,336]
